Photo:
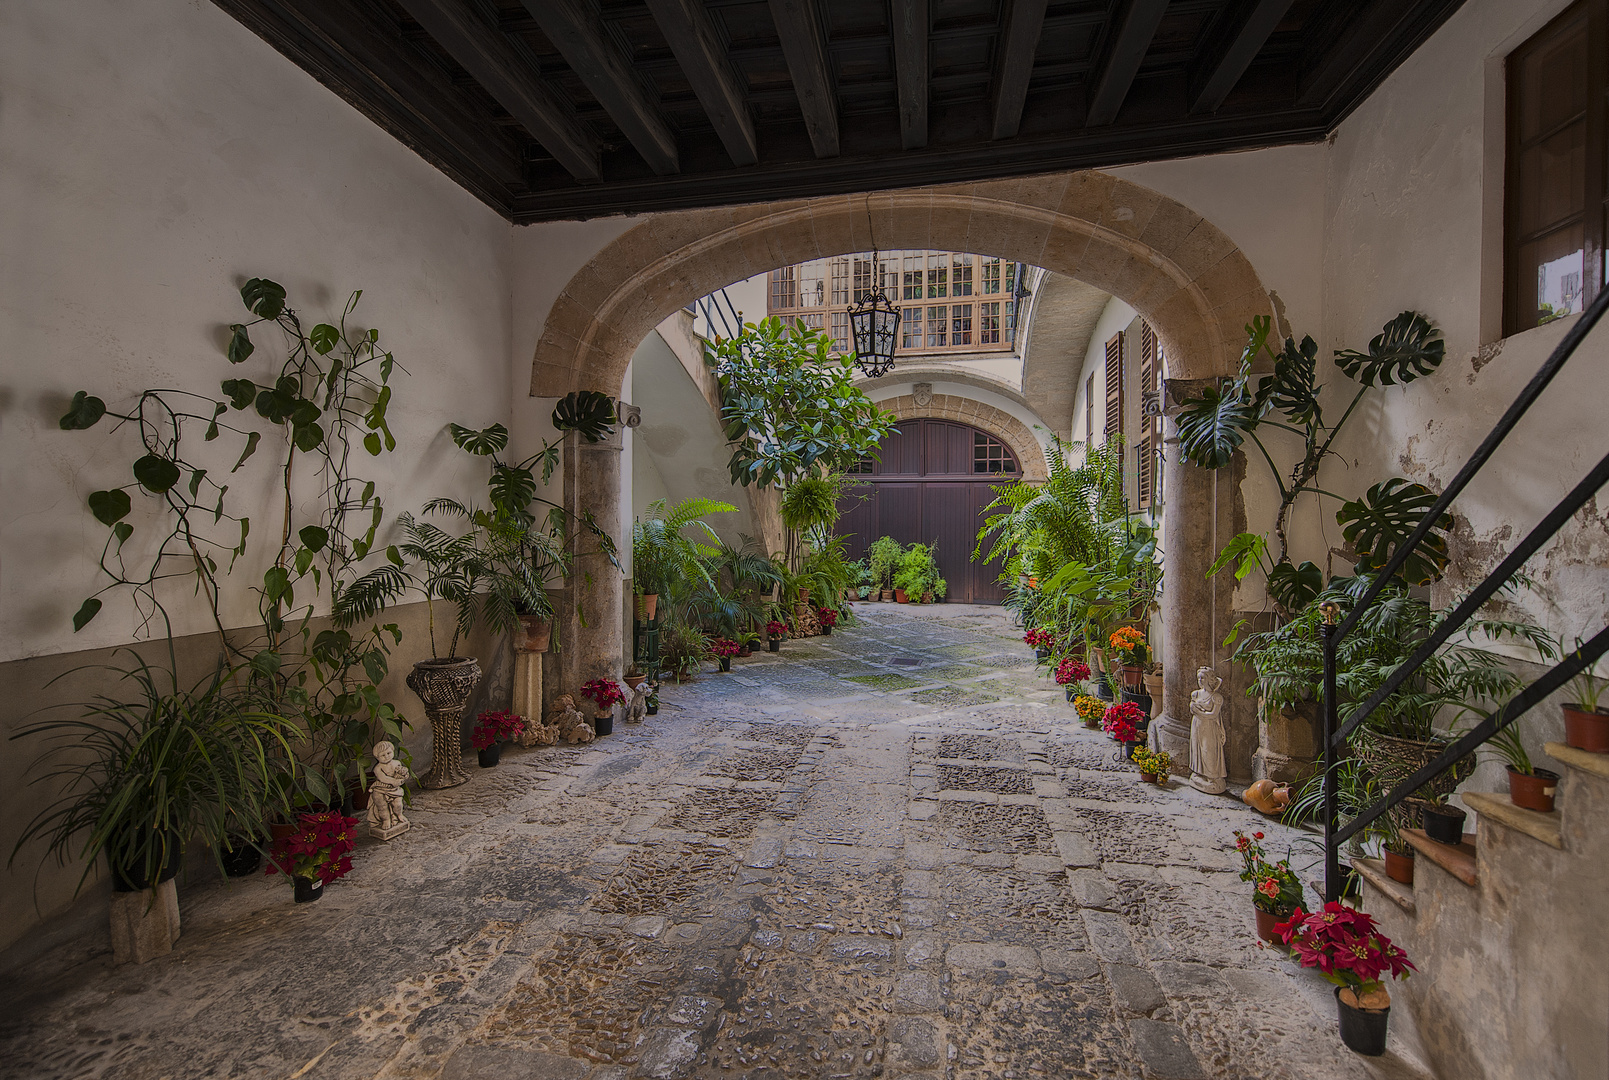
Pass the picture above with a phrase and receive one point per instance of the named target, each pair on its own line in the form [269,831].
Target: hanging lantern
[874,325]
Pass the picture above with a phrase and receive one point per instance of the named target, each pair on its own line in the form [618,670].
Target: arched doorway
[929,485]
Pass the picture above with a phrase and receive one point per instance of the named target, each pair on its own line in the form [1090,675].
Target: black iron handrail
[1336,734]
[731,319]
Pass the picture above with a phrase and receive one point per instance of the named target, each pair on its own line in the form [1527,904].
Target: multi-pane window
[1558,140]
[1011,320]
[840,331]
[960,324]
[990,455]
[989,323]
[785,288]
[863,279]
[840,281]
[938,273]
[862,467]
[936,325]
[991,276]
[812,321]
[960,274]
[910,327]
[912,282]
[812,283]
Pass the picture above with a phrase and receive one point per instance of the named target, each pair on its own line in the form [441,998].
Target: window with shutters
[1556,191]
[1089,410]
[1114,388]
[1150,435]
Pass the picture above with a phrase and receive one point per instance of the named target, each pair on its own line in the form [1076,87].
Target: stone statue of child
[385,794]
[1207,735]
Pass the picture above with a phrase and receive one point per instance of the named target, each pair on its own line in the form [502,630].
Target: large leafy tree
[790,408]
[1225,417]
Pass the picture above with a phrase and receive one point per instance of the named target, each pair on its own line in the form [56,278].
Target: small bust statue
[385,794]
[1207,735]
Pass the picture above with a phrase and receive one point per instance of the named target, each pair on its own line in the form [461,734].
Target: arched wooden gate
[930,485]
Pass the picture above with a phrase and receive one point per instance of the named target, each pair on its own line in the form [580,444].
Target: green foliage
[918,572]
[1407,348]
[661,553]
[811,502]
[789,408]
[144,773]
[1380,522]
[590,412]
[882,560]
[828,572]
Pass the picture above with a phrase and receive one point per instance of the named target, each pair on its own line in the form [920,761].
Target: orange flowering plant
[1129,644]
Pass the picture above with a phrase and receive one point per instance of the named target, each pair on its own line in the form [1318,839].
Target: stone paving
[887,852]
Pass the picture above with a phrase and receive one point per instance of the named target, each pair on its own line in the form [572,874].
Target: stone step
[1584,760]
[1501,810]
[1373,871]
[1457,860]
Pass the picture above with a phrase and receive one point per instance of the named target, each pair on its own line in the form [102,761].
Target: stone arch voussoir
[997,422]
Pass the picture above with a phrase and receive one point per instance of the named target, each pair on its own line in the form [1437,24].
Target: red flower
[775,628]
[1071,671]
[828,618]
[604,693]
[1122,721]
[1343,945]
[1258,835]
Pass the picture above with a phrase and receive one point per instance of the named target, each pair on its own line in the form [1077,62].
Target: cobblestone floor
[888,852]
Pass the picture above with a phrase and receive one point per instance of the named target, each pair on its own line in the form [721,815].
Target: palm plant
[882,559]
[828,573]
[144,776]
[1039,528]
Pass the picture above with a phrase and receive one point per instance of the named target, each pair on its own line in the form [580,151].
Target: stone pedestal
[527,682]
[594,637]
[1287,746]
[144,926]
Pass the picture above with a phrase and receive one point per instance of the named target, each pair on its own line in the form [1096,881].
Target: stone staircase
[1508,932]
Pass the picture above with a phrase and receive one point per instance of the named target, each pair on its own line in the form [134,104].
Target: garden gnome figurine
[1207,772]
[385,794]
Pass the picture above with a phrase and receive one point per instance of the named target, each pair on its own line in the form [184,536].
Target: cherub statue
[567,719]
[385,794]
[638,707]
[1207,735]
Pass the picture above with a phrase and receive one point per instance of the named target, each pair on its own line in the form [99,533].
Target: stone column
[592,643]
[1201,512]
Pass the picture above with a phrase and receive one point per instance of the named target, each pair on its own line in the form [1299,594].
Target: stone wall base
[144,926]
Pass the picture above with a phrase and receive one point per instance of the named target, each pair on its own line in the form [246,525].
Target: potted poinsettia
[775,631]
[1275,892]
[317,852]
[828,619]
[1343,944]
[605,694]
[1070,673]
[724,649]
[1041,641]
[492,730]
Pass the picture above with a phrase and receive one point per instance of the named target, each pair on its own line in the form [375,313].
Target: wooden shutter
[1114,387]
[1149,357]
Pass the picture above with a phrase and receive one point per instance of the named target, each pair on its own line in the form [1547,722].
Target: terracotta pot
[1534,792]
[745,651]
[1399,868]
[1445,824]
[648,606]
[634,681]
[1266,921]
[1150,777]
[804,594]
[1363,1030]
[1133,676]
[1586,730]
[899,597]
[536,634]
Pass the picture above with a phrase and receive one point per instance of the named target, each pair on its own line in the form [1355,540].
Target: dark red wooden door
[930,485]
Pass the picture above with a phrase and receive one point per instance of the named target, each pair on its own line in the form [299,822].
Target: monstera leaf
[86,411]
[589,412]
[1294,587]
[1212,426]
[1408,348]
[1293,389]
[482,443]
[1377,524]
[263,298]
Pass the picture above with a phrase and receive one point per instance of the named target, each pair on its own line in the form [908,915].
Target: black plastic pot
[239,858]
[604,723]
[653,707]
[490,756]
[1129,748]
[1072,694]
[1445,824]
[308,889]
[826,630]
[1137,698]
[774,644]
[1103,691]
[1042,654]
[128,872]
[726,663]
[1363,1030]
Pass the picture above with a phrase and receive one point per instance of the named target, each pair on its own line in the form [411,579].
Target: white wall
[1115,318]
[152,157]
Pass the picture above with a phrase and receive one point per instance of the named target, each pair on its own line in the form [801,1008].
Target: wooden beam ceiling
[548,109]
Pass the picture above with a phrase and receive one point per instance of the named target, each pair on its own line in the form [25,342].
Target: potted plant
[653,701]
[775,631]
[1153,764]
[1128,644]
[1444,822]
[1586,722]
[682,648]
[1395,851]
[917,576]
[1125,722]
[1089,709]
[492,729]
[747,640]
[1528,786]
[661,556]
[1343,944]
[882,559]
[316,853]
[1276,892]
[1070,674]
[634,677]
[828,619]
[724,649]
[1041,641]
[604,694]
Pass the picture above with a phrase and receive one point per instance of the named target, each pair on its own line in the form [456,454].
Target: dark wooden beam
[698,49]
[1364,32]
[382,77]
[1231,52]
[1014,63]
[805,47]
[909,30]
[575,30]
[1135,28]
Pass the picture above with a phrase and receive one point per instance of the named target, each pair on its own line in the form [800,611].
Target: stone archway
[1178,270]
[997,422]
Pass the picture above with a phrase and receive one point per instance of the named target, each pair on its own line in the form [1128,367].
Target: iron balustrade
[1336,734]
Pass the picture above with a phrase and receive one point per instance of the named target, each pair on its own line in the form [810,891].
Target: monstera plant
[1224,418]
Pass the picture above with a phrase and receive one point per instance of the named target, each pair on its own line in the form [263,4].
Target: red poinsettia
[1343,944]
[496,727]
[828,618]
[775,628]
[1040,639]
[321,847]
[1122,721]
[1071,671]
[604,693]
[725,647]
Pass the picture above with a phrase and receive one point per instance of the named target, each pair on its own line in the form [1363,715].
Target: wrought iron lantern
[874,325]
